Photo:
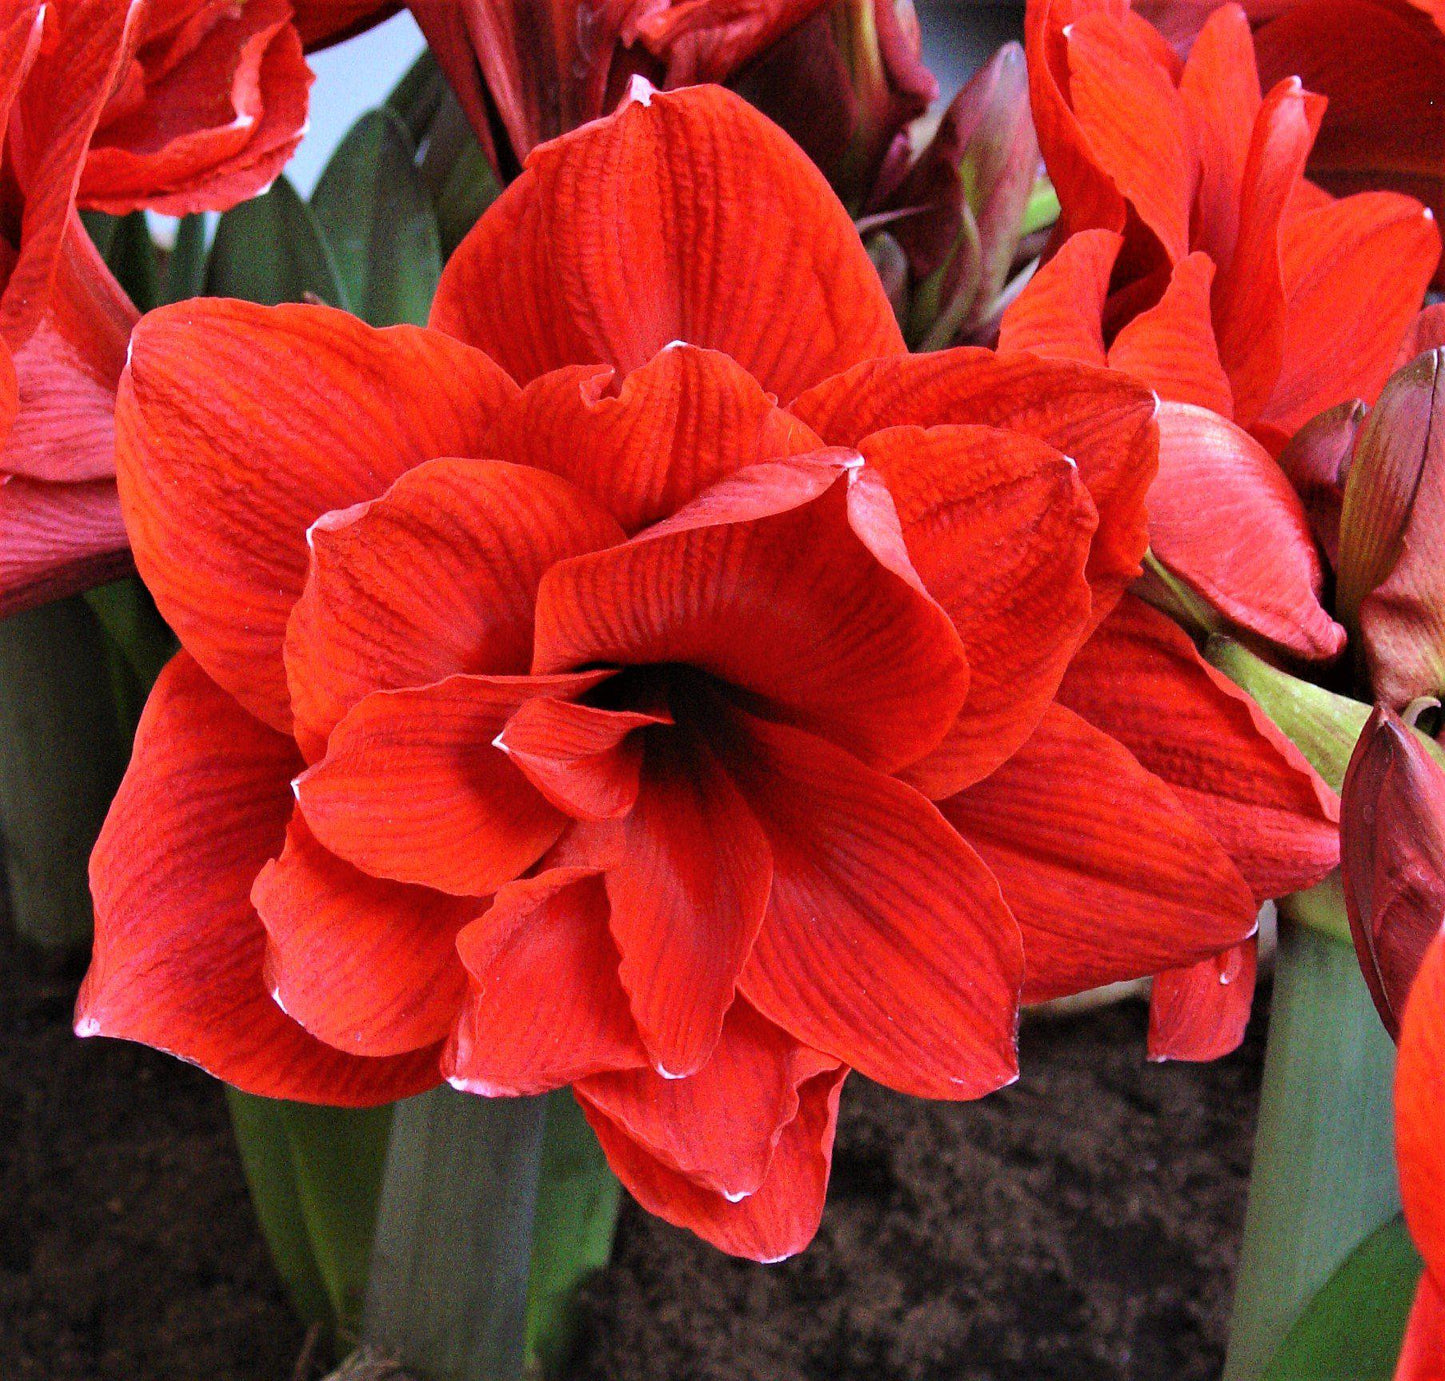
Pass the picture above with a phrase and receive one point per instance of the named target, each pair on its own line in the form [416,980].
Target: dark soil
[1082,1225]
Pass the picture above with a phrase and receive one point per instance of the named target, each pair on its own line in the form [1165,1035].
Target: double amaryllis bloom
[113,105]
[1203,262]
[557,706]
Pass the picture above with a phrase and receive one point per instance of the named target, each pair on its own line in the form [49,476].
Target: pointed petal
[57,539]
[998,527]
[1140,680]
[1109,876]
[544,1006]
[1200,1012]
[774,1223]
[1223,516]
[367,966]
[1134,120]
[413,787]
[720,1126]
[1220,87]
[1171,346]
[438,575]
[886,941]
[1101,419]
[238,426]
[726,584]
[608,247]
[1355,274]
[688,895]
[1419,1098]
[1249,293]
[178,948]
[1060,314]
[684,420]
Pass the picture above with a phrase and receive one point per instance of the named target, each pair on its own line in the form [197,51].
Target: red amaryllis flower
[1208,266]
[557,706]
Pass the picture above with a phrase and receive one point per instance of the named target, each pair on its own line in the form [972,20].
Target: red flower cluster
[558,706]
[1203,262]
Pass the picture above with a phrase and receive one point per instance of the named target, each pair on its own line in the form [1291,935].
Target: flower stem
[61,757]
[1324,1169]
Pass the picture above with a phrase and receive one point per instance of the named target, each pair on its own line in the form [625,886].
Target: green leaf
[1351,1330]
[126,246]
[415,99]
[379,223]
[186,271]
[578,1197]
[129,615]
[457,174]
[271,250]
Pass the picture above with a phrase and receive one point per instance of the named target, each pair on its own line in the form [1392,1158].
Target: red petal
[1220,87]
[1135,123]
[886,941]
[238,426]
[1419,1098]
[720,1126]
[544,1005]
[727,585]
[364,965]
[178,948]
[610,245]
[437,576]
[1355,274]
[586,761]
[684,420]
[413,787]
[57,539]
[774,1223]
[1223,516]
[688,895]
[1101,419]
[1423,1347]
[998,527]
[1060,314]
[1171,346]
[1109,876]
[1140,680]
[1249,294]
[1427,332]
[1200,1013]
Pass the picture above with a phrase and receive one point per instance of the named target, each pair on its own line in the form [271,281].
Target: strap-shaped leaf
[271,250]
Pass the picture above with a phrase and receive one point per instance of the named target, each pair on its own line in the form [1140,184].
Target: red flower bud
[1317,461]
[1392,858]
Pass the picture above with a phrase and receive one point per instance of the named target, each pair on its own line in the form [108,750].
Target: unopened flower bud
[1317,461]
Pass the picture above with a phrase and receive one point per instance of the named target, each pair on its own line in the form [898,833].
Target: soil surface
[1081,1226]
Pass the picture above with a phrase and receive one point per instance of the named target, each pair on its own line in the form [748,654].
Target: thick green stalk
[61,757]
[1324,1165]
[453,1247]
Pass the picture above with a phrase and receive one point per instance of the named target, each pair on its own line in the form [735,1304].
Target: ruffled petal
[544,1005]
[647,446]
[1060,314]
[720,1126]
[608,247]
[770,1225]
[1109,876]
[1140,680]
[365,965]
[1200,1012]
[726,585]
[178,948]
[1223,516]
[439,575]
[1101,419]
[238,426]
[887,943]
[998,527]
[413,787]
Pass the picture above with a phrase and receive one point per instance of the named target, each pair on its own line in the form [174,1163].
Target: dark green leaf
[379,223]
[457,174]
[126,246]
[186,271]
[271,250]
[414,100]
[1351,1330]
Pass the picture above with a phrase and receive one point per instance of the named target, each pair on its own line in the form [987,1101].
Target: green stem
[1324,1165]
[61,758]
[453,1248]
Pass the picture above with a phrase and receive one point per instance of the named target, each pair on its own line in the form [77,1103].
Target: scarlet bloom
[1202,261]
[558,706]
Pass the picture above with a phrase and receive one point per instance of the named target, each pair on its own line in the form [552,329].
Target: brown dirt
[1081,1225]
